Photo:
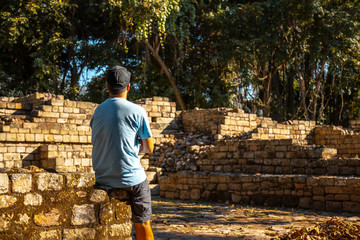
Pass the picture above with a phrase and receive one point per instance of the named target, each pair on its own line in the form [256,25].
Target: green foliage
[289,59]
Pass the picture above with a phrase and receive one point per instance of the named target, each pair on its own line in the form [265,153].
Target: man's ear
[128,87]
[107,87]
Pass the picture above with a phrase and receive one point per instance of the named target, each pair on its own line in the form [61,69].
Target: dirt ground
[187,220]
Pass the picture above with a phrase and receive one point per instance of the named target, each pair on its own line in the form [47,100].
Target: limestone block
[79,234]
[33,199]
[49,181]
[106,214]
[195,194]
[4,183]
[98,196]
[306,202]
[11,156]
[21,183]
[3,137]
[50,218]
[83,214]
[7,201]
[39,137]
[50,235]
[351,207]
[120,230]
[334,206]
[79,180]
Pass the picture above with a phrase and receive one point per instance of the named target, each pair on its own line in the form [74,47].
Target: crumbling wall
[234,122]
[232,156]
[346,142]
[42,205]
[354,125]
[49,131]
[163,117]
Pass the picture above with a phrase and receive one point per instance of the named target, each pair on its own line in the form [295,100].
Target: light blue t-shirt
[117,125]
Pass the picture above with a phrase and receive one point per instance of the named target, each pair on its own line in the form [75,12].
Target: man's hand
[146,145]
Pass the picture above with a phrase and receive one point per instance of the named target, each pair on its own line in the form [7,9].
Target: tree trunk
[318,77]
[303,94]
[267,84]
[167,74]
[290,100]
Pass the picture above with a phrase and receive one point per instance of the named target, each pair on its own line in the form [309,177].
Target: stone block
[333,206]
[351,207]
[184,195]
[106,214]
[195,194]
[249,186]
[50,235]
[21,183]
[11,156]
[33,199]
[45,219]
[120,230]
[306,203]
[98,196]
[7,201]
[83,214]
[78,180]
[49,181]
[4,183]
[79,234]
[236,198]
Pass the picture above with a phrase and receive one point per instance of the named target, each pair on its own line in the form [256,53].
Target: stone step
[151,177]
[311,166]
[330,193]
[155,189]
[145,163]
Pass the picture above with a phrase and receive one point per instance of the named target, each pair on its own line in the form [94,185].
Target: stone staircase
[152,174]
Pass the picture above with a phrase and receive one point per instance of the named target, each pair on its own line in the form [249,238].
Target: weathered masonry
[42,205]
[52,133]
[49,132]
[294,164]
[202,154]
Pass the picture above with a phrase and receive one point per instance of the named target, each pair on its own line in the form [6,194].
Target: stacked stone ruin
[203,154]
[53,133]
[261,161]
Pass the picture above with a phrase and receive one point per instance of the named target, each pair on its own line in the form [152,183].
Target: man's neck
[121,95]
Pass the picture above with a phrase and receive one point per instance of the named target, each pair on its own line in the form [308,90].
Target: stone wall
[355,125]
[285,156]
[49,131]
[233,156]
[163,117]
[339,194]
[234,122]
[42,205]
[346,142]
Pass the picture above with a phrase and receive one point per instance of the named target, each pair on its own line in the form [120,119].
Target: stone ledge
[328,193]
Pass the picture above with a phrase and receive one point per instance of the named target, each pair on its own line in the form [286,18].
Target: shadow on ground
[187,220]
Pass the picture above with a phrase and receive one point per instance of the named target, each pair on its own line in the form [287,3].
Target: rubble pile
[181,152]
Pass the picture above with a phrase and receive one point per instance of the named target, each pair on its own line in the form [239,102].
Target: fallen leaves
[333,229]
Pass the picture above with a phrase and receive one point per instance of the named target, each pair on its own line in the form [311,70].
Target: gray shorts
[139,200]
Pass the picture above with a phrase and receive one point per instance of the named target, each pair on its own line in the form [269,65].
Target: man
[119,130]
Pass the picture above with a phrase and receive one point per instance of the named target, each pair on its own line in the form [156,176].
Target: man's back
[117,125]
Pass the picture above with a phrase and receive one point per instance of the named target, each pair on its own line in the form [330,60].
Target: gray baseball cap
[118,78]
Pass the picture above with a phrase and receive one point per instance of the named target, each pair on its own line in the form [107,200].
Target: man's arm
[147,145]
